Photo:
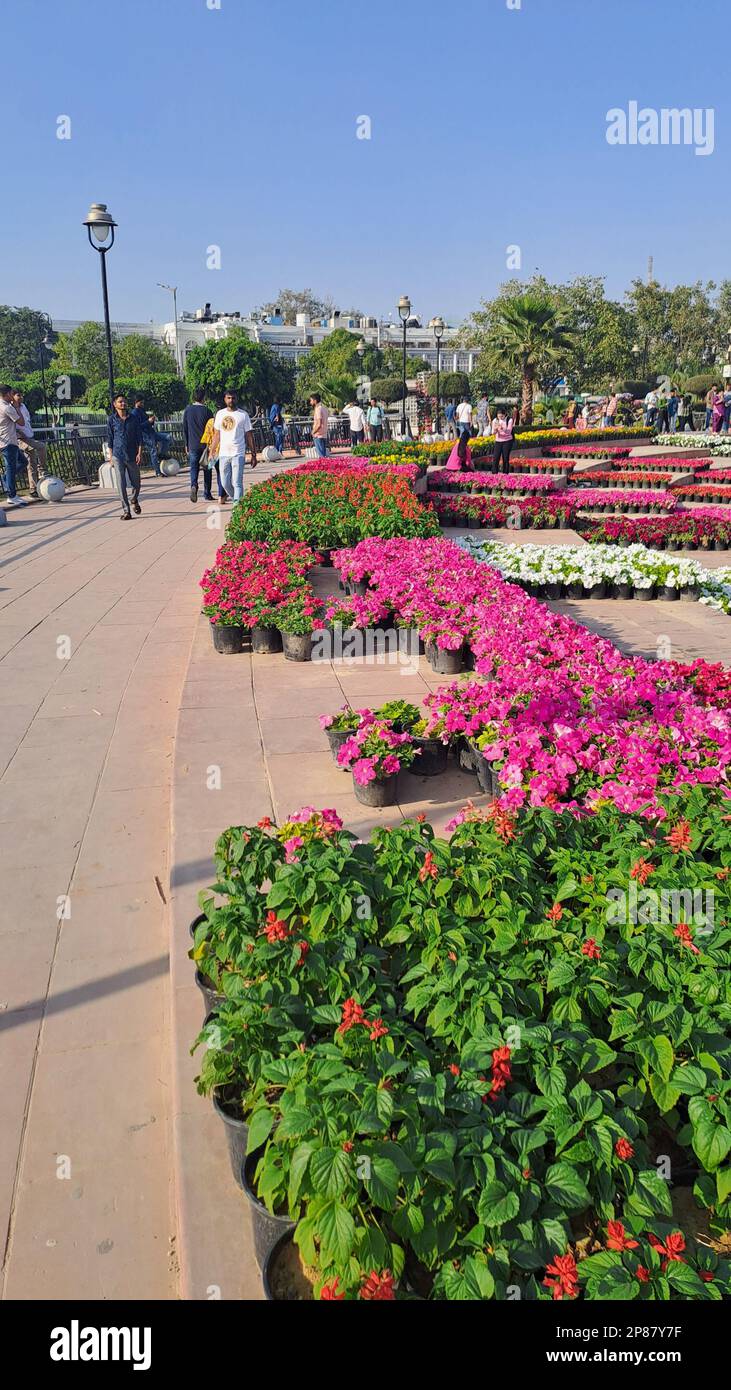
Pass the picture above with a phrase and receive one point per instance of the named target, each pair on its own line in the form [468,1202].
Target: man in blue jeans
[276,420]
[124,438]
[195,419]
[10,418]
[147,432]
[320,422]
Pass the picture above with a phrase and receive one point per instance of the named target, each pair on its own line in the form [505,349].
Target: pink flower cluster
[251,579]
[347,463]
[375,750]
[499,482]
[590,499]
[571,722]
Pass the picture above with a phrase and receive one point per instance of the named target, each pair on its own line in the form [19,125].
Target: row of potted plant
[448,1067]
[255,590]
[568,719]
[626,478]
[348,463]
[702,491]
[360,741]
[331,508]
[615,499]
[684,530]
[446,480]
[597,571]
[478,511]
[712,443]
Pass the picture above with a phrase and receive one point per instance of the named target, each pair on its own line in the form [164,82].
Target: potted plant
[295,620]
[432,742]
[339,727]
[375,754]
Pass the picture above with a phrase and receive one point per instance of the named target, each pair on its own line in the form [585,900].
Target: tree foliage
[336,359]
[164,393]
[250,369]
[136,355]
[21,335]
[452,385]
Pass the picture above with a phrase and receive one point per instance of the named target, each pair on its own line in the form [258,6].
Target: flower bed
[463,1090]
[568,719]
[700,491]
[616,500]
[542,513]
[440,478]
[698,529]
[329,509]
[558,569]
[251,582]
[349,464]
[590,451]
[625,477]
[712,443]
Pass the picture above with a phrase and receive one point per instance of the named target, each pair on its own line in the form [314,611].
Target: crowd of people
[671,412]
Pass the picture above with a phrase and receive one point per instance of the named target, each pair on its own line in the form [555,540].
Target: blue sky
[237,127]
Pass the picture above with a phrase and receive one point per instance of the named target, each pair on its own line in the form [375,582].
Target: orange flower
[679,837]
[641,871]
[555,913]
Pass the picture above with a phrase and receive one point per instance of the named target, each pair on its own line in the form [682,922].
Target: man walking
[320,420]
[357,419]
[195,418]
[147,432]
[374,419]
[10,418]
[276,420]
[450,416]
[232,434]
[483,416]
[464,416]
[32,448]
[124,438]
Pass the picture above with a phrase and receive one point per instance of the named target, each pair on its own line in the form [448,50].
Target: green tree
[85,351]
[62,388]
[21,334]
[388,389]
[392,363]
[336,358]
[136,354]
[163,393]
[528,337]
[452,385]
[250,369]
[290,303]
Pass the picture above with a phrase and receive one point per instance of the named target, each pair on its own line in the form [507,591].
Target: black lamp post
[45,344]
[100,226]
[438,325]
[404,313]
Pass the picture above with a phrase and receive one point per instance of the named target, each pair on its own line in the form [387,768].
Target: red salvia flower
[623,1149]
[679,837]
[329,1292]
[352,1015]
[685,937]
[378,1029]
[641,871]
[378,1286]
[670,1251]
[555,913]
[642,1274]
[565,1281]
[591,949]
[428,868]
[616,1238]
[454,1069]
[275,929]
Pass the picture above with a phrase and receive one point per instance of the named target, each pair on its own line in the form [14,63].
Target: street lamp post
[100,226]
[174,292]
[46,342]
[404,311]
[438,326]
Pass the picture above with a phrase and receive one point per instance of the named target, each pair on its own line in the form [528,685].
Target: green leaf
[331,1171]
[689,1080]
[497,1205]
[617,1284]
[567,890]
[651,1196]
[296,1121]
[665,1056]
[664,1095]
[297,1169]
[566,1188]
[260,1127]
[723,1184]
[711,1143]
[337,1232]
[383,1184]
[680,1276]
[561,974]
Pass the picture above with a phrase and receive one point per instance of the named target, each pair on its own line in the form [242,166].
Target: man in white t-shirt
[464,416]
[232,435]
[10,418]
[356,416]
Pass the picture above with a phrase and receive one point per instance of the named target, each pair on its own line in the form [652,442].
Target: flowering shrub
[624,477]
[250,583]
[349,464]
[701,491]
[376,750]
[330,509]
[545,512]
[463,1089]
[590,565]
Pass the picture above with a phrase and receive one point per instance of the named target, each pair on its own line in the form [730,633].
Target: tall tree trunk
[526,409]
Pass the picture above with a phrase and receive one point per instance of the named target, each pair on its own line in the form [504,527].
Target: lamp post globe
[437,326]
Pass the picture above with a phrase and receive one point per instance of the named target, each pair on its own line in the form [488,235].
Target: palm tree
[527,336]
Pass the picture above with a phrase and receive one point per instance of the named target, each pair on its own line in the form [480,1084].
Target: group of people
[502,426]
[18,445]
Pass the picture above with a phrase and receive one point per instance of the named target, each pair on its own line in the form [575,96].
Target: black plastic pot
[212,1000]
[484,773]
[598,590]
[236,1130]
[689,594]
[361,588]
[622,590]
[380,792]
[554,589]
[270,1262]
[196,923]
[466,758]
[645,594]
[266,640]
[669,594]
[326,557]
[575,589]
[297,646]
[266,1229]
[336,738]
[432,759]
[228,640]
[444,661]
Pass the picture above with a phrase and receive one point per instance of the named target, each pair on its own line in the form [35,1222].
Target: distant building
[295,341]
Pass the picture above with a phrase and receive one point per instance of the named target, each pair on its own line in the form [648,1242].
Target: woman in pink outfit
[503,427]
[718,411]
[461,455]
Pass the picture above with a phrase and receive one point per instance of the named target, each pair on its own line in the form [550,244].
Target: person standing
[710,393]
[320,418]
[374,419]
[10,418]
[450,415]
[357,421]
[503,428]
[32,448]
[483,416]
[663,417]
[726,407]
[717,410]
[195,418]
[673,408]
[464,417]
[232,435]
[276,420]
[685,418]
[650,404]
[124,437]
[610,411]
[147,432]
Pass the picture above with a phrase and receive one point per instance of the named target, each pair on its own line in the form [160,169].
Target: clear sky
[236,127]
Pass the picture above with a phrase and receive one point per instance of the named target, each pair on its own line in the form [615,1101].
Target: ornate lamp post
[100,226]
[438,325]
[404,313]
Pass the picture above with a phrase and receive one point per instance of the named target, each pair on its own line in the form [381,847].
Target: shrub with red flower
[562,1277]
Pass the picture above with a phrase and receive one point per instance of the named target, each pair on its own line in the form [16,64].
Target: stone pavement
[96,621]
[111,1168]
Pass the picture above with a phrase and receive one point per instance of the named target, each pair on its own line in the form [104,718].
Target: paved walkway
[102,659]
